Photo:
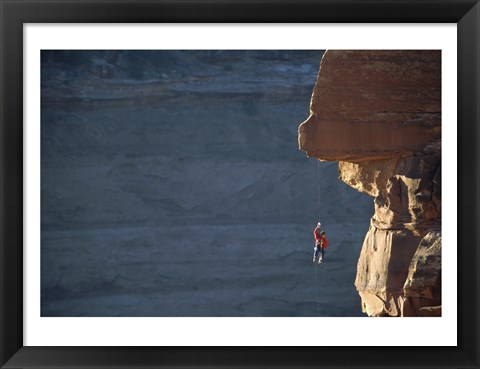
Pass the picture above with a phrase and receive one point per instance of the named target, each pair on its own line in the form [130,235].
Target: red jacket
[322,240]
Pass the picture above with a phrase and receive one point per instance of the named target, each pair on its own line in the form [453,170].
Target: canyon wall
[378,113]
[172,185]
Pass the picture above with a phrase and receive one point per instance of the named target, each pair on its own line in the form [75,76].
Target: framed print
[156,210]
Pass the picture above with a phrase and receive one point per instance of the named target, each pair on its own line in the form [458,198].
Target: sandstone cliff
[379,114]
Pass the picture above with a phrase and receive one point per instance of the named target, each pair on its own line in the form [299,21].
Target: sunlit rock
[379,114]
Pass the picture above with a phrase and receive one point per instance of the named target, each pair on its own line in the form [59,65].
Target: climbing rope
[316,286]
[322,266]
[315,263]
[318,188]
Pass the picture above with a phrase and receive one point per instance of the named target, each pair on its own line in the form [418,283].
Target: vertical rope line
[316,288]
[315,263]
[318,187]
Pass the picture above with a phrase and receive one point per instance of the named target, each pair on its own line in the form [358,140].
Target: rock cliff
[379,114]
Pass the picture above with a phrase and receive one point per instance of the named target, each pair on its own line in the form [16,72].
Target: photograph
[240,183]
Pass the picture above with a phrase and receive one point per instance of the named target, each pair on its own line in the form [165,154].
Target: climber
[321,243]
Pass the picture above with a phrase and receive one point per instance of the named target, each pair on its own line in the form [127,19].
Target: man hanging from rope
[321,243]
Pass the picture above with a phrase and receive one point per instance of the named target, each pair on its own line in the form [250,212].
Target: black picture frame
[14,13]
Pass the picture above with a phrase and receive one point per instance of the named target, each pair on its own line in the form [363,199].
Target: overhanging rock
[378,112]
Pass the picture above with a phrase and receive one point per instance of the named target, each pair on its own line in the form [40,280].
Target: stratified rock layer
[379,114]
[373,105]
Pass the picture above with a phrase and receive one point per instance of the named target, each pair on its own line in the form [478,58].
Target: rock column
[379,114]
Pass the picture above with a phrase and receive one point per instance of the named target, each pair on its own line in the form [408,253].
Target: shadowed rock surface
[378,114]
[172,185]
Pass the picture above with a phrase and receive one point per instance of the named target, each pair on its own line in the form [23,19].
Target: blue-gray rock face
[172,185]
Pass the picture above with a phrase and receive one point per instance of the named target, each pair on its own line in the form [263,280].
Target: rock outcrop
[379,114]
